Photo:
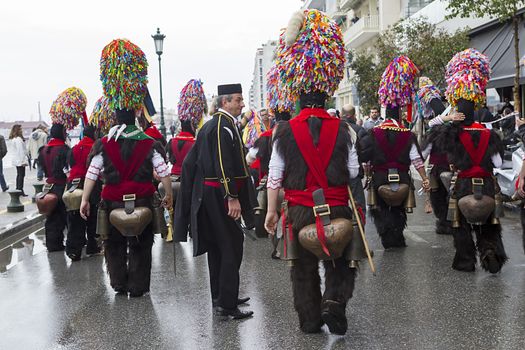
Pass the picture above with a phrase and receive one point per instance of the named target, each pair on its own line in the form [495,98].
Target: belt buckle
[76,181]
[393,178]
[47,187]
[477,181]
[129,197]
[321,210]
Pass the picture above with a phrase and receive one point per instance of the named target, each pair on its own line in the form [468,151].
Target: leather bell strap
[394,183]
[321,220]
[74,185]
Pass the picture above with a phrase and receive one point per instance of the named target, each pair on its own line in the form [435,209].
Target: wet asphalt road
[416,301]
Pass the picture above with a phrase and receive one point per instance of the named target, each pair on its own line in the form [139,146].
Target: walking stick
[362,232]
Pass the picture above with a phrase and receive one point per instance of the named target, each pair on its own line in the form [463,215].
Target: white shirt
[97,166]
[277,165]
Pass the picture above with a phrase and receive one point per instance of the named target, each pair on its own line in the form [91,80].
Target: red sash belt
[335,196]
[238,182]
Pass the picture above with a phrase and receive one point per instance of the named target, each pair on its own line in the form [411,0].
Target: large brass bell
[476,211]
[393,198]
[46,201]
[133,224]
[338,234]
[73,198]
[372,197]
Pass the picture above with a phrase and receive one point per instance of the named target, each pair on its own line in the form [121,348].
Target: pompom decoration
[254,128]
[102,116]
[192,102]
[278,96]
[315,61]
[467,75]
[427,93]
[124,74]
[466,85]
[397,86]
[68,108]
[424,81]
[467,61]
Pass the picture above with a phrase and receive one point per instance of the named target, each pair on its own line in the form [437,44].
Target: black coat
[222,165]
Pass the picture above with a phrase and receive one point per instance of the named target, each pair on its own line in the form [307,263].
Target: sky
[48,46]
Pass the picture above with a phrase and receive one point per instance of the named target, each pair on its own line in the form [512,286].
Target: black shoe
[56,249]
[333,315]
[23,194]
[74,257]
[136,294]
[215,302]
[5,189]
[236,314]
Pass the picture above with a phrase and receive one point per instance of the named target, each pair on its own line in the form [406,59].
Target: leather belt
[129,202]
[321,209]
[477,187]
[393,179]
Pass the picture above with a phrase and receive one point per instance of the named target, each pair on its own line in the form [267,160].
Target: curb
[20,225]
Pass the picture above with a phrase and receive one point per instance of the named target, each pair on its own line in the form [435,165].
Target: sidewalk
[11,219]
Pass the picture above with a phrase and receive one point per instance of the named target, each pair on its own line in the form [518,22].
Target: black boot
[333,314]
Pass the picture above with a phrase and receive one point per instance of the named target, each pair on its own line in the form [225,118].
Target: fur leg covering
[439,202]
[139,268]
[390,223]
[492,254]
[307,292]
[115,252]
[465,258]
[339,287]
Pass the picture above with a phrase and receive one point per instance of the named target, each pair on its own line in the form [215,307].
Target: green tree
[429,47]
[504,10]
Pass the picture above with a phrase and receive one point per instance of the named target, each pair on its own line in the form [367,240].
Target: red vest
[80,155]
[475,153]
[392,151]
[127,170]
[181,154]
[316,159]
[54,146]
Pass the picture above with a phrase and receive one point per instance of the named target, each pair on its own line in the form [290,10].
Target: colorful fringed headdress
[467,75]
[192,104]
[69,107]
[397,86]
[278,96]
[427,96]
[124,74]
[311,57]
[103,117]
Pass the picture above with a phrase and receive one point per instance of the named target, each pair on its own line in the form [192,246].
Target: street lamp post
[159,41]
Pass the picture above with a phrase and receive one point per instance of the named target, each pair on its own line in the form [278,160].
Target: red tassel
[409,113]
[321,234]
[361,215]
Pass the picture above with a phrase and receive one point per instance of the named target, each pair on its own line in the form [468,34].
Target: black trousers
[224,241]
[128,260]
[306,284]
[20,174]
[80,229]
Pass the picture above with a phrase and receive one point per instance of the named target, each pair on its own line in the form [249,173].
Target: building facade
[263,62]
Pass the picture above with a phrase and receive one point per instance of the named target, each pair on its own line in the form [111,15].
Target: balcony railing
[362,30]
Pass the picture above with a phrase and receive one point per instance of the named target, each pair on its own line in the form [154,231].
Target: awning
[497,42]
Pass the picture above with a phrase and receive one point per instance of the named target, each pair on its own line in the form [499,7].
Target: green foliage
[428,46]
[501,9]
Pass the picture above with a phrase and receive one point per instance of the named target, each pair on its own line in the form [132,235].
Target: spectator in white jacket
[18,158]
[37,140]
